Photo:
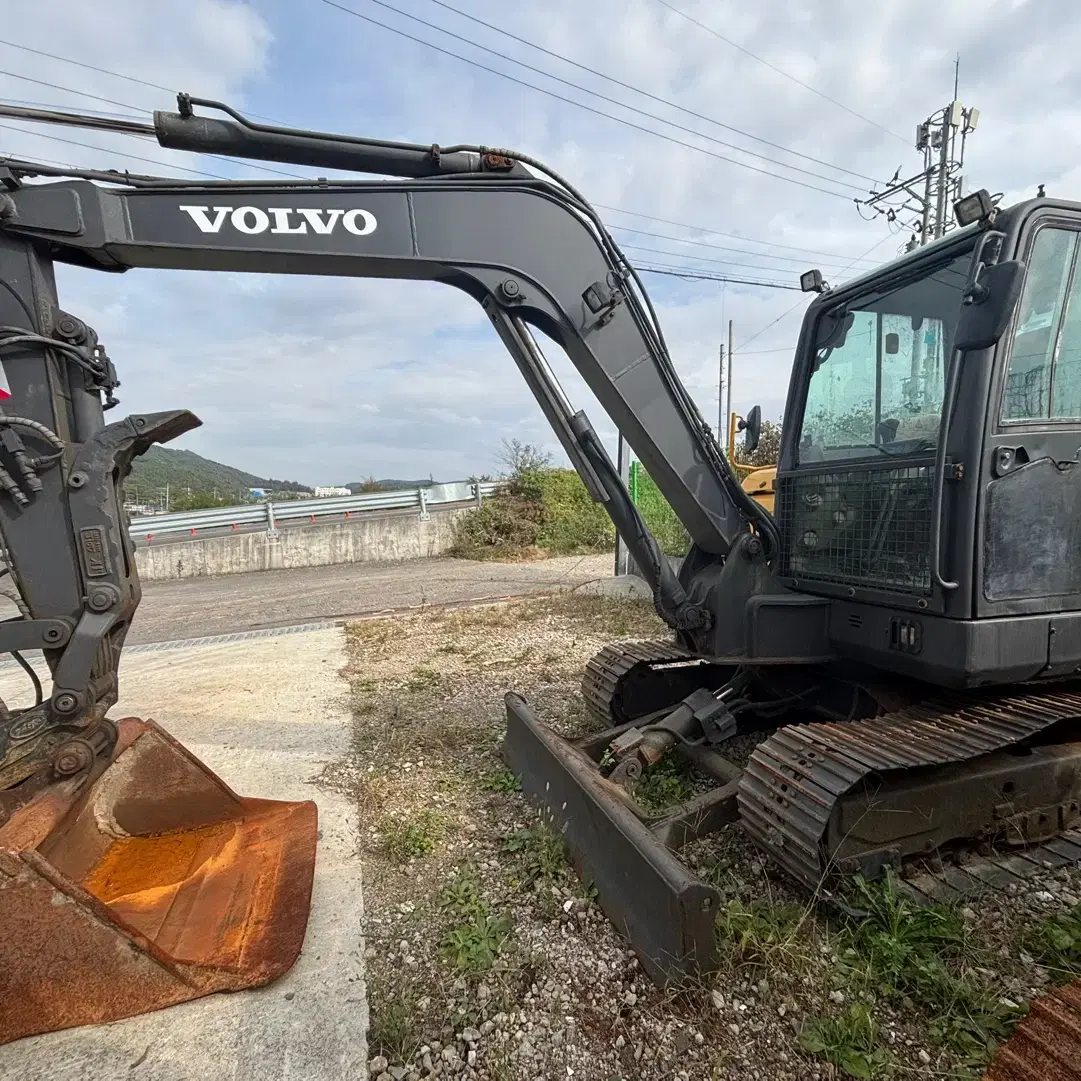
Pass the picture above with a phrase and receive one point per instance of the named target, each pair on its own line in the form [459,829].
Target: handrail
[271,512]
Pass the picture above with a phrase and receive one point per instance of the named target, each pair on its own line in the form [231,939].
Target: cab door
[1030,560]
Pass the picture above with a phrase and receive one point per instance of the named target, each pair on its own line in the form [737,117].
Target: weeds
[406,840]
[541,854]
[849,1041]
[501,780]
[663,785]
[923,952]
[1056,942]
[753,933]
[475,935]
[422,678]
[394,1030]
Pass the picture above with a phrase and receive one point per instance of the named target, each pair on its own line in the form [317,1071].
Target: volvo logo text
[278,219]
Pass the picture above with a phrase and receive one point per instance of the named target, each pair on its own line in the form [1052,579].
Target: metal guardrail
[272,513]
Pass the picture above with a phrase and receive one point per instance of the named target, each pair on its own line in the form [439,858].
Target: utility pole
[731,450]
[721,426]
[924,202]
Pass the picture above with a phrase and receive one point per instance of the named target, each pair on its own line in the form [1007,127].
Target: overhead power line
[582,105]
[785,315]
[103,71]
[693,275]
[721,247]
[118,153]
[713,232]
[639,90]
[780,71]
[705,259]
[601,206]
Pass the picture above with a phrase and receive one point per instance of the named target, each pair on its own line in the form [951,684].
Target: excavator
[900,640]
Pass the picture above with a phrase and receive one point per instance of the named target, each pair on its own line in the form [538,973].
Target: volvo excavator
[902,637]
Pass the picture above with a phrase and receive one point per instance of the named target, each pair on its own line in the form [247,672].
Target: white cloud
[328,380]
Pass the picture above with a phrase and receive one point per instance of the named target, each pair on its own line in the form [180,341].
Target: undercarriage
[956,792]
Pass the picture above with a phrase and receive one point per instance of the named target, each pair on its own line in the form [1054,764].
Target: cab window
[1043,381]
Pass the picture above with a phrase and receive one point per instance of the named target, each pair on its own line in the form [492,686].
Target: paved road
[196,607]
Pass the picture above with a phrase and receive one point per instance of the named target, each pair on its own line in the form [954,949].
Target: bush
[662,521]
[573,523]
[539,508]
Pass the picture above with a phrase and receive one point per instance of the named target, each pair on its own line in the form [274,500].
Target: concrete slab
[266,714]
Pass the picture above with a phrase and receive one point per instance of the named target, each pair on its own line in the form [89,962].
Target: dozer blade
[153,885]
[665,912]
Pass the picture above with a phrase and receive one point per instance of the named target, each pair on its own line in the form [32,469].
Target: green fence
[659,516]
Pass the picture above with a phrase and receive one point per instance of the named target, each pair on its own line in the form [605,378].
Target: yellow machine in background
[758,483]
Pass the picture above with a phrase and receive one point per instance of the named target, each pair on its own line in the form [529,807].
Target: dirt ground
[488,958]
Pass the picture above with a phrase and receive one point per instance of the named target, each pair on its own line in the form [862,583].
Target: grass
[925,953]
[422,678]
[411,839]
[1055,942]
[663,785]
[849,1041]
[540,853]
[393,1026]
[754,933]
[474,935]
[500,780]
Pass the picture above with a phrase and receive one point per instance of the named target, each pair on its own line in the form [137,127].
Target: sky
[328,380]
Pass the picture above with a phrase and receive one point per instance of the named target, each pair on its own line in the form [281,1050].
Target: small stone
[471,1057]
[782,1010]
[423,1003]
[967,913]
[734,1029]
[487,1027]
[1044,897]
[924,1057]
[1069,899]
[450,1054]
[717,999]
[384,1077]
[398,1072]
[837,996]
[699,1038]
[630,998]
[426,1062]
[470,1035]
[620,1042]
[378,1065]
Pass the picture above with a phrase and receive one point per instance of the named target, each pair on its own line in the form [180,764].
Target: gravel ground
[488,958]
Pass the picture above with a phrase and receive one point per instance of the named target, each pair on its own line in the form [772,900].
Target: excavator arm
[529,249]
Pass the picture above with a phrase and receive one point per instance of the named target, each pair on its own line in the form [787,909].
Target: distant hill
[392,484]
[182,469]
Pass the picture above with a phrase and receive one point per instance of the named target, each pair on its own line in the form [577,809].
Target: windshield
[880,367]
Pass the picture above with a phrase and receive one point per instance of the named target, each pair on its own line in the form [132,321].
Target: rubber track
[795,779]
[606,671]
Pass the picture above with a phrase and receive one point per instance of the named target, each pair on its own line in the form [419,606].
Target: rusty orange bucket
[154,885]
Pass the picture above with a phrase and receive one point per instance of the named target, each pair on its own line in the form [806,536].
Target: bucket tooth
[154,885]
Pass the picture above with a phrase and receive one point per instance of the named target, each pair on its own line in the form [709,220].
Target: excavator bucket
[153,885]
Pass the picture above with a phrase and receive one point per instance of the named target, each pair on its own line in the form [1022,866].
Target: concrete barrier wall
[383,538]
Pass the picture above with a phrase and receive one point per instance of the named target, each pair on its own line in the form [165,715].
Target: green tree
[769,446]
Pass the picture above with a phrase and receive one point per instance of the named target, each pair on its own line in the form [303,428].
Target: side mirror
[752,425]
[990,300]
